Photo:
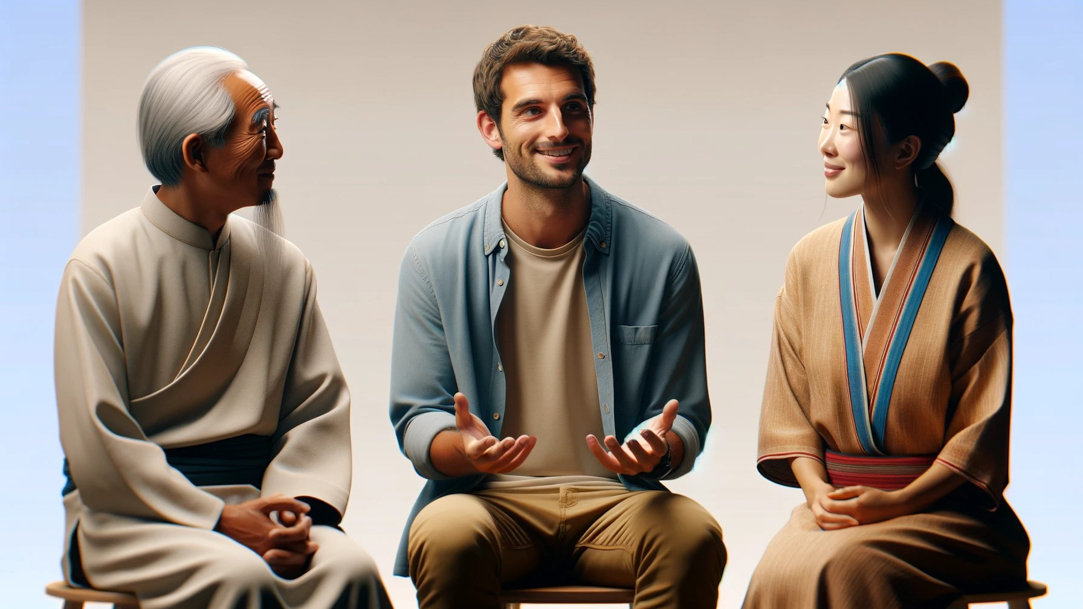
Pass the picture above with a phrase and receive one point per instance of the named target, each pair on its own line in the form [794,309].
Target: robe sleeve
[312,452]
[979,417]
[115,467]
[785,429]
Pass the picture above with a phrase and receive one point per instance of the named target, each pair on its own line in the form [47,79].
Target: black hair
[904,97]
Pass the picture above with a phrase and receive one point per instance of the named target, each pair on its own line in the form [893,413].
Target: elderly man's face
[242,168]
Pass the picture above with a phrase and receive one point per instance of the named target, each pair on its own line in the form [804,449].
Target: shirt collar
[599,227]
[172,224]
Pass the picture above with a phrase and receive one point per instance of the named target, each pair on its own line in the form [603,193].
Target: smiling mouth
[831,170]
[556,152]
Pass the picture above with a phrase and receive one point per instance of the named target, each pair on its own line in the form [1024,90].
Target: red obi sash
[884,473]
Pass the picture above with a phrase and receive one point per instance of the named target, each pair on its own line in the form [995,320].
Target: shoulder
[110,243]
[451,230]
[633,223]
[819,243]
[969,261]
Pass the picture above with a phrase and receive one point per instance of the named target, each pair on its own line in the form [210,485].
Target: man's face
[242,168]
[545,125]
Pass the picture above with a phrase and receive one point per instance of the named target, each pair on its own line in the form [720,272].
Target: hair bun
[956,91]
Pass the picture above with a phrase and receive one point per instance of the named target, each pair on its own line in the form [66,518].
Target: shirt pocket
[636,335]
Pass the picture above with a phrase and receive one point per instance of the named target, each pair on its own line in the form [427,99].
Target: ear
[490,131]
[907,151]
[192,150]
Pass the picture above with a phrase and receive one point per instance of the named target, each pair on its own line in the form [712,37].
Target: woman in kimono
[888,392]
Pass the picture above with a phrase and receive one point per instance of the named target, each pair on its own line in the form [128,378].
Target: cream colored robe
[164,339]
[951,399]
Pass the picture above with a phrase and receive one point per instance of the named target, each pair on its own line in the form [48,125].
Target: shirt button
[500,367]
[496,416]
[602,244]
[503,243]
[606,408]
[601,355]
[499,282]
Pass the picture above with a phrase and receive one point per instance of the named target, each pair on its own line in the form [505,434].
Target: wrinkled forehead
[248,91]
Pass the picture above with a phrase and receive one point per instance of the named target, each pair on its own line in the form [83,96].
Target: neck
[546,217]
[887,214]
[185,204]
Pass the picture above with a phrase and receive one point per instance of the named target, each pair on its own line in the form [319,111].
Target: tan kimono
[922,370]
[167,341]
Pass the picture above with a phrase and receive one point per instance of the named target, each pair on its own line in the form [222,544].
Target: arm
[312,449]
[433,424]
[116,468]
[678,370]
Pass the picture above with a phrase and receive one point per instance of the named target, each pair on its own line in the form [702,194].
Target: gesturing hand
[484,452]
[637,455]
[285,544]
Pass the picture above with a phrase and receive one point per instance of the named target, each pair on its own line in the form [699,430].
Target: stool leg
[511,605]
[1021,603]
[73,604]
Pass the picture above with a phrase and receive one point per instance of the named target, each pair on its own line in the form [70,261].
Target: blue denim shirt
[646,319]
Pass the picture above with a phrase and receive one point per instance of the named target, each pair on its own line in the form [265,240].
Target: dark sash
[239,460]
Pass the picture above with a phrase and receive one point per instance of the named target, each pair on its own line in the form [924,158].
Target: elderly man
[203,413]
[564,319]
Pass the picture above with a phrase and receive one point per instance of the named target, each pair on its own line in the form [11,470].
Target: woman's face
[845,169]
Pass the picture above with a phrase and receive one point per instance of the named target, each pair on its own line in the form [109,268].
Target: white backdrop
[707,115]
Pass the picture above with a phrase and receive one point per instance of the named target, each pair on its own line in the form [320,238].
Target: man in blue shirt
[548,367]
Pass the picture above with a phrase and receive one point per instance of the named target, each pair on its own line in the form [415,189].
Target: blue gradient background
[40,109]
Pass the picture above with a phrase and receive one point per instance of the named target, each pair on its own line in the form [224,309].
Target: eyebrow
[263,114]
[853,114]
[531,102]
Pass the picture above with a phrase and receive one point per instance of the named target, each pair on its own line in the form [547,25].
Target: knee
[450,531]
[684,533]
[340,553]
[854,563]
[239,569]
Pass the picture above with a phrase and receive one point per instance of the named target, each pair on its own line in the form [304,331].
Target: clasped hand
[275,527]
[847,506]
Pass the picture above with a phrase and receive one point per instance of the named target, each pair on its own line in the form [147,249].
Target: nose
[274,145]
[827,142]
[556,130]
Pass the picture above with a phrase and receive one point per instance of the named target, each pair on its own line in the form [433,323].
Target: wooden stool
[563,595]
[1016,599]
[75,597]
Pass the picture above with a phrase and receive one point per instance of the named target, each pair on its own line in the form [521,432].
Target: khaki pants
[464,547]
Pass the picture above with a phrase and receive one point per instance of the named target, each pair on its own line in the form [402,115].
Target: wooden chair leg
[73,604]
[1021,603]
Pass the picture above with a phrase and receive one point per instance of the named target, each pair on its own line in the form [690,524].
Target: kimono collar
[599,225]
[172,224]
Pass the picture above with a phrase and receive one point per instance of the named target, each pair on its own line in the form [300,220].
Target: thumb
[463,419]
[669,414]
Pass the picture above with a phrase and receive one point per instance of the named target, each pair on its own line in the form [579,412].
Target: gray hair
[184,95]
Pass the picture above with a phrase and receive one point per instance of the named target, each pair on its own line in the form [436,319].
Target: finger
[645,461]
[656,442]
[475,449]
[827,517]
[497,450]
[522,455]
[599,453]
[288,535]
[279,557]
[622,456]
[846,492]
[515,456]
[287,518]
[282,503]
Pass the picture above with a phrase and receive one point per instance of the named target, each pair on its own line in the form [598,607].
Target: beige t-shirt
[543,331]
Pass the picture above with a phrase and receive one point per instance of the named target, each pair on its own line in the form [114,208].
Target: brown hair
[527,43]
